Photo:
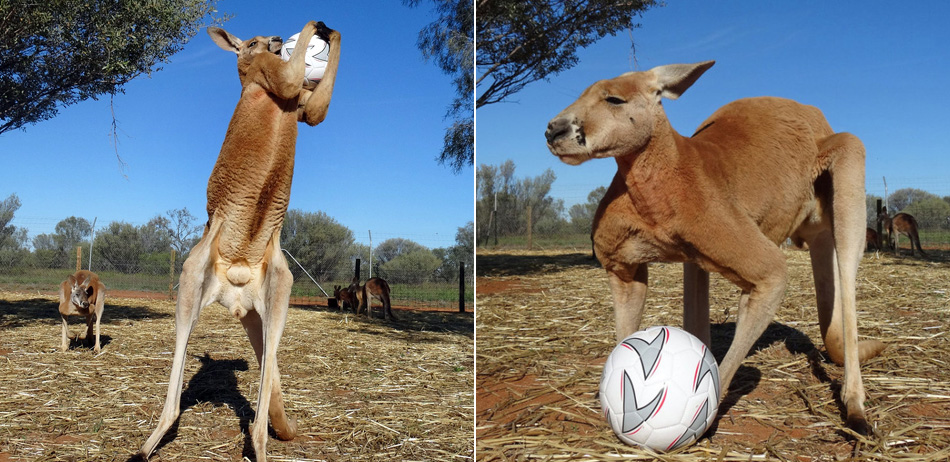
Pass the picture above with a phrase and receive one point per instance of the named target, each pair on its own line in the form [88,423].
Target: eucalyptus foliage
[55,53]
[523,41]
[450,42]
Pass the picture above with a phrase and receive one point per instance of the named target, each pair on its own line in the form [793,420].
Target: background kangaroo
[756,172]
[82,294]
[872,240]
[902,223]
[376,288]
[238,262]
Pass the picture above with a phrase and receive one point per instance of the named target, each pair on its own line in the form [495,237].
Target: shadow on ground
[448,322]
[216,382]
[18,313]
[520,265]
[747,378]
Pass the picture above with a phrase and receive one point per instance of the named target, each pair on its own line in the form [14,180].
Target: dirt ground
[545,327]
[359,388]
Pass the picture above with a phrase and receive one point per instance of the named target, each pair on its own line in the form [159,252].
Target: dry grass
[360,389]
[545,326]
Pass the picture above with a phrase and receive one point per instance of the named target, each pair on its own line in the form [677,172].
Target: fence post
[880,227]
[78,258]
[461,287]
[529,226]
[494,214]
[171,275]
[357,272]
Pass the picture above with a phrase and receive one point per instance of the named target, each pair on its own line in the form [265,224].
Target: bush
[415,267]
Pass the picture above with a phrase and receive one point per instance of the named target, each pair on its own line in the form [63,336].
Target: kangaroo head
[246,50]
[80,294]
[618,116]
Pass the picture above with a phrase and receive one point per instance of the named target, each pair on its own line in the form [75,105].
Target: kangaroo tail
[867,349]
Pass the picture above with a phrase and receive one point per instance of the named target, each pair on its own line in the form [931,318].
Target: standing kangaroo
[902,223]
[872,239]
[82,294]
[238,262]
[758,171]
[376,288]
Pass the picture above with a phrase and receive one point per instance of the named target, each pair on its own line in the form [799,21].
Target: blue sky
[371,165]
[876,69]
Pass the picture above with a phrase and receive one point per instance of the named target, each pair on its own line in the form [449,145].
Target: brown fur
[871,239]
[902,223]
[346,297]
[238,261]
[82,294]
[756,172]
[376,288]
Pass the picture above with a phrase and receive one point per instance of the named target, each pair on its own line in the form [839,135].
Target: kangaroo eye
[614,100]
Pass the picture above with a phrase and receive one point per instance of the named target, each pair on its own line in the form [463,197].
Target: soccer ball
[660,389]
[317,54]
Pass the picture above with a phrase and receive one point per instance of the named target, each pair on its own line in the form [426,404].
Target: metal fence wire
[156,275]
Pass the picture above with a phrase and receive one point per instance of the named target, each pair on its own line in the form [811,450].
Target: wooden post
[880,226]
[529,226]
[356,274]
[461,287]
[494,214]
[171,276]
[78,258]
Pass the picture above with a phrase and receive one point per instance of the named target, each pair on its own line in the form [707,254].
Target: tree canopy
[582,215]
[450,41]
[520,42]
[902,198]
[498,188]
[59,52]
[320,243]
[8,208]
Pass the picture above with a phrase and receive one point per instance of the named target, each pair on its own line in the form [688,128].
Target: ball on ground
[660,389]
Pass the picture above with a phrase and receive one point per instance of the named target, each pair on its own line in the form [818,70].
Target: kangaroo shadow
[215,382]
[747,378]
[19,313]
[439,322]
[935,256]
[407,321]
[75,342]
[521,265]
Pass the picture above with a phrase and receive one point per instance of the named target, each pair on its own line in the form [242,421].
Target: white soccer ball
[660,389]
[318,52]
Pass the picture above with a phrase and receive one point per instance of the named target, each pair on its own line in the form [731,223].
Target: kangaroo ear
[225,40]
[674,79]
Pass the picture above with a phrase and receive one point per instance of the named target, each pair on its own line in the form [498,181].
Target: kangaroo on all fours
[758,171]
[82,294]
[902,223]
[376,288]
[238,262]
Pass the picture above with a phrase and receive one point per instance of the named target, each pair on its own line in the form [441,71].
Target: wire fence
[155,275]
[932,215]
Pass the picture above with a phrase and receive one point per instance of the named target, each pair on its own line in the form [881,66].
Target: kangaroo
[346,296]
[758,171]
[902,223]
[872,240]
[376,288]
[82,294]
[238,262]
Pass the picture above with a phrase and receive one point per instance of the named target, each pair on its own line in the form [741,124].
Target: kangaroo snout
[557,128]
[274,44]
